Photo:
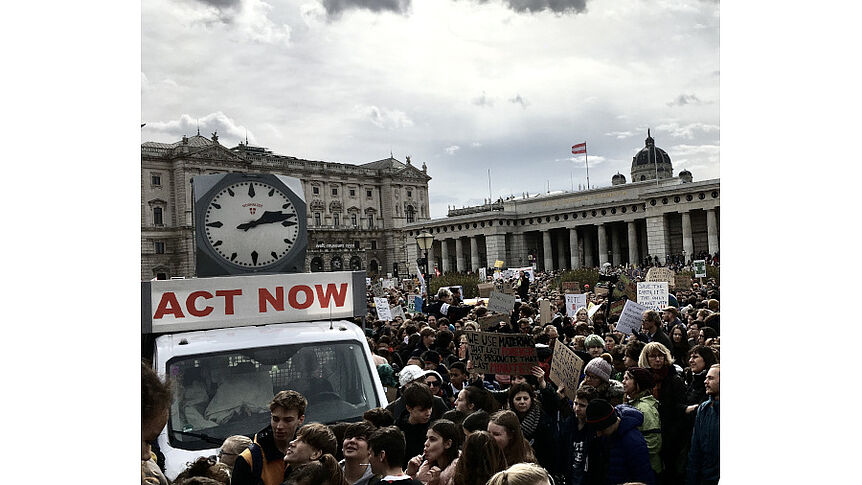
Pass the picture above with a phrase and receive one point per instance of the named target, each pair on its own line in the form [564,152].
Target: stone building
[624,223]
[355,212]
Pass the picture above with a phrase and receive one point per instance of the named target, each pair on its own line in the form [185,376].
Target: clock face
[251,224]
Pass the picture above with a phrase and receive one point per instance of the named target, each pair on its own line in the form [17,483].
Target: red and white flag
[579,148]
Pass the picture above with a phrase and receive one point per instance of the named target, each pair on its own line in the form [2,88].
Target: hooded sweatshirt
[625,452]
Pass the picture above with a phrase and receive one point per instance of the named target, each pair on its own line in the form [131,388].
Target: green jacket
[651,429]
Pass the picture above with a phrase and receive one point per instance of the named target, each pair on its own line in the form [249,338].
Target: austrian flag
[579,148]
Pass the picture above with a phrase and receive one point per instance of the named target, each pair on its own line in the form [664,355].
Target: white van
[223,378]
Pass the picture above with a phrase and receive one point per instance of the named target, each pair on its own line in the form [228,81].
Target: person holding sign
[446,307]
[536,426]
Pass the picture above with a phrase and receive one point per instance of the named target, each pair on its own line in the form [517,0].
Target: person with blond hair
[669,389]
[521,474]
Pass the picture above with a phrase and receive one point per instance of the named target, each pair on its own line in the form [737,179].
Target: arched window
[336,263]
[355,263]
[373,267]
[316,265]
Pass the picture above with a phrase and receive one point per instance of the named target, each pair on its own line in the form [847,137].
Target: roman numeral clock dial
[251,224]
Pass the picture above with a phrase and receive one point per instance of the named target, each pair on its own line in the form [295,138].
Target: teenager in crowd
[480,459]
[436,465]
[506,430]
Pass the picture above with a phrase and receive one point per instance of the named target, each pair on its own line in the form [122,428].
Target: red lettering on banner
[309,297]
[276,301]
[228,299]
[190,303]
[168,304]
[331,290]
[517,352]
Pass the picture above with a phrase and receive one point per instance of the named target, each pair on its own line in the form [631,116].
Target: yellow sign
[498,264]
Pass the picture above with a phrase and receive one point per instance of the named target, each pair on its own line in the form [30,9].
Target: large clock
[249,223]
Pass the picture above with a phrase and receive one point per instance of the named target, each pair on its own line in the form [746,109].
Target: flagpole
[587,162]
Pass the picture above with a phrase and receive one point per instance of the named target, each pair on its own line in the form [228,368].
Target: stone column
[615,246]
[460,264]
[589,259]
[573,248]
[474,254]
[603,245]
[561,250]
[657,237]
[633,243]
[495,248]
[687,243]
[712,231]
[519,251]
[549,255]
[444,255]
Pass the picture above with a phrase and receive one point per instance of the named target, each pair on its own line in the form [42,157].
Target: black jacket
[273,462]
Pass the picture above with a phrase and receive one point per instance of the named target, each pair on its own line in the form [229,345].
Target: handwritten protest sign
[653,296]
[699,268]
[388,284]
[660,274]
[485,290]
[575,301]
[571,286]
[601,291]
[566,369]
[407,285]
[397,311]
[498,264]
[489,321]
[617,308]
[502,353]
[483,274]
[383,311]
[545,311]
[682,282]
[501,302]
[377,289]
[630,318]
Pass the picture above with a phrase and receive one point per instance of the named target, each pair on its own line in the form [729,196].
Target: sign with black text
[501,302]
[502,353]
[631,317]
[566,369]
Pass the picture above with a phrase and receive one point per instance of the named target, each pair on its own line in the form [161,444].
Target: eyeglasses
[432,383]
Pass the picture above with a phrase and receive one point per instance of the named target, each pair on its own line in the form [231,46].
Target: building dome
[685,176]
[649,160]
[618,179]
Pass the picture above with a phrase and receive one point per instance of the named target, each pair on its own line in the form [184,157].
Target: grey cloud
[221,3]
[519,100]
[534,6]
[684,99]
[483,100]
[334,8]
[229,131]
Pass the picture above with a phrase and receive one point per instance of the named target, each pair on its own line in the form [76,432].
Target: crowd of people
[646,409]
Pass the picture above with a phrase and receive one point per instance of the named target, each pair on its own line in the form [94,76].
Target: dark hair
[323,471]
[443,322]
[542,338]
[613,336]
[588,393]
[454,415]
[416,394]
[520,387]
[379,417]
[460,366]
[634,349]
[155,395]
[338,430]
[449,431]
[206,467]
[652,316]
[476,421]
[289,400]
[444,338]
[427,331]
[319,436]
[391,440]
[707,353]
[708,332]
[480,459]
[361,429]
[479,397]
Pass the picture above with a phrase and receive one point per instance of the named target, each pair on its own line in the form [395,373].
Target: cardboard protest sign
[571,287]
[575,301]
[653,296]
[407,285]
[617,308]
[682,282]
[502,353]
[397,311]
[593,309]
[699,268]
[388,284]
[377,289]
[498,264]
[566,369]
[601,291]
[483,274]
[383,311]
[485,290]
[545,311]
[501,303]
[489,321]
[630,318]
[660,274]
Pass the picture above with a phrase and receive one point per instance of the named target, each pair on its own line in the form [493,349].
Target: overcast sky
[461,85]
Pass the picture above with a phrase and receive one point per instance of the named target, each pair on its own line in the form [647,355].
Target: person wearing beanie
[637,384]
[622,455]
[595,345]
[597,374]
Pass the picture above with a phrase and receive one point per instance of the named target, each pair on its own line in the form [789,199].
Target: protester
[575,439]
[287,412]
[379,417]
[414,423]
[473,398]
[638,383]
[651,325]
[312,442]
[680,345]
[480,459]
[409,375]
[595,345]
[355,465]
[476,421]
[436,465]
[386,448]
[206,467]
[521,474]
[322,471]
[506,430]
[701,358]
[703,457]
[597,373]
[155,405]
[536,426]
[623,452]
[231,448]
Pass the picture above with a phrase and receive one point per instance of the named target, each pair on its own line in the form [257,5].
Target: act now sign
[235,301]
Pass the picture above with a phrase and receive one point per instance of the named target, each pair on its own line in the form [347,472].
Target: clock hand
[267,218]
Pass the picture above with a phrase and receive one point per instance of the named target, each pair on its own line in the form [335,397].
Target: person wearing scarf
[536,426]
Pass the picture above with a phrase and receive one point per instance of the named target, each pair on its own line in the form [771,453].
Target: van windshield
[225,394]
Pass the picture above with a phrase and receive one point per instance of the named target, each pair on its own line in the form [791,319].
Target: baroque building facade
[355,212]
[656,215]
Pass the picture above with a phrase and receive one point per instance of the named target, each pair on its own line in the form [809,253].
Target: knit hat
[594,341]
[387,375]
[600,414]
[599,368]
[615,390]
[642,377]
[409,374]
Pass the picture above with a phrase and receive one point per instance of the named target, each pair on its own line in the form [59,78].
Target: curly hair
[204,467]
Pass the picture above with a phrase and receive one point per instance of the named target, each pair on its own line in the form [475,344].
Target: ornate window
[158,219]
[411,214]
[159,247]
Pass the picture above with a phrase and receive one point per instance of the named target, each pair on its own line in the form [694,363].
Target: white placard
[653,295]
[528,270]
[397,311]
[575,301]
[501,303]
[383,311]
[483,274]
[388,284]
[630,318]
[699,268]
